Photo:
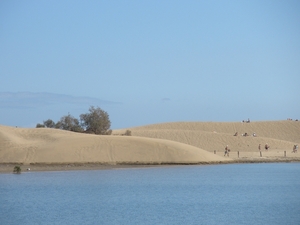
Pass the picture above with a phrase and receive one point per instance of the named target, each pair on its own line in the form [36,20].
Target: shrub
[49,123]
[95,122]
[70,123]
[40,125]
[127,133]
[17,169]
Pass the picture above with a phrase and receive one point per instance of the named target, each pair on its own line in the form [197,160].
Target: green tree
[40,125]
[58,125]
[69,123]
[49,123]
[96,121]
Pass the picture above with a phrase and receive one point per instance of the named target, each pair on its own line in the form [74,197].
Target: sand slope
[179,142]
[42,145]
[210,136]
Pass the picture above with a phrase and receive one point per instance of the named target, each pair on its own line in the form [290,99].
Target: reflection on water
[217,194]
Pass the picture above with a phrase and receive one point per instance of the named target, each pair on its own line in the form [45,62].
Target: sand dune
[165,143]
[211,136]
[42,145]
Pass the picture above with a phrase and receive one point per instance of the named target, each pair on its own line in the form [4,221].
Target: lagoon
[257,193]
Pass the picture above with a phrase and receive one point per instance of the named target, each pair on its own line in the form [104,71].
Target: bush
[40,125]
[127,133]
[17,169]
[70,123]
[95,122]
[49,123]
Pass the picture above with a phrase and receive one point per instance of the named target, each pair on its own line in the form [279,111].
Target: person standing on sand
[227,150]
[259,147]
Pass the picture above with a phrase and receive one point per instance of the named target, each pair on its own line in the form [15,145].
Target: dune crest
[44,145]
[164,143]
[214,136]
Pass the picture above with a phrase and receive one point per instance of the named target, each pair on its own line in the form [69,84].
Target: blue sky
[148,62]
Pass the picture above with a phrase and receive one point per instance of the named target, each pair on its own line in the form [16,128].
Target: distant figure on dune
[227,150]
[246,121]
[267,146]
[259,147]
[295,149]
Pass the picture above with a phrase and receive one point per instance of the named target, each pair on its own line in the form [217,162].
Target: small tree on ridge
[69,123]
[96,121]
[49,123]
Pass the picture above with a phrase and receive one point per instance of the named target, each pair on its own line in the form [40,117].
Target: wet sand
[42,167]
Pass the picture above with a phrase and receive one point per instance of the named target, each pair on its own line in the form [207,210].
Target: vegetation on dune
[127,133]
[69,123]
[96,121]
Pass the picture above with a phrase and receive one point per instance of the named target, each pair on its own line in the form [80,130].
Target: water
[218,194]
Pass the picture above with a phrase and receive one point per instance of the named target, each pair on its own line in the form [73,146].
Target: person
[267,146]
[259,147]
[254,134]
[295,148]
[227,150]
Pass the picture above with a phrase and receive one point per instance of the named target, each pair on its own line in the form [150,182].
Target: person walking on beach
[295,148]
[259,149]
[227,150]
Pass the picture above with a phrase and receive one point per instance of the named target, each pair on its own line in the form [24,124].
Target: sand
[157,144]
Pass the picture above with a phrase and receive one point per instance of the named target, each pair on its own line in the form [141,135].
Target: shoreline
[44,167]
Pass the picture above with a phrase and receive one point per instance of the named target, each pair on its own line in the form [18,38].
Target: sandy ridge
[213,136]
[44,145]
[164,143]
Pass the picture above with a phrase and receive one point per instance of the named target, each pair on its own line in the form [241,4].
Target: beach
[178,143]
